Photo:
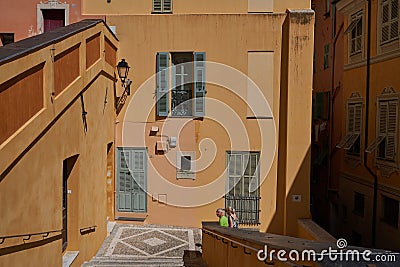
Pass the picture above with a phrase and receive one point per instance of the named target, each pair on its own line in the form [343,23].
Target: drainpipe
[367,87]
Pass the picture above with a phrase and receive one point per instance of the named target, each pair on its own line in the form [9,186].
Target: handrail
[27,237]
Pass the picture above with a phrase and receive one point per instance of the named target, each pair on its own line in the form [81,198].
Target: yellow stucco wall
[355,177]
[32,160]
[125,7]
[142,36]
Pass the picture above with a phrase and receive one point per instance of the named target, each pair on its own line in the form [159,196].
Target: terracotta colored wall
[67,60]
[111,53]
[19,17]
[92,50]
[21,98]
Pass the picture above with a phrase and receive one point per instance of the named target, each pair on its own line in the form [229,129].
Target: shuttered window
[188,84]
[199,83]
[162,83]
[351,142]
[162,6]
[386,140]
[355,29]
[389,20]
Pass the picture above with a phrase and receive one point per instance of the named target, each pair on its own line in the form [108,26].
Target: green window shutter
[139,161]
[124,197]
[162,83]
[157,6]
[199,83]
[167,6]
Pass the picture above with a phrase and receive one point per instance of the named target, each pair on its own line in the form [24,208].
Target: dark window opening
[186,163]
[181,103]
[390,211]
[7,38]
[53,19]
[358,204]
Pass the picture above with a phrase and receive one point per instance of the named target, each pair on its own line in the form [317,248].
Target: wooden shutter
[139,157]
[167,6]
[385,22]
[162,83]
[124,195]
[391,142]
[157,6]
[394,18]
[199,83]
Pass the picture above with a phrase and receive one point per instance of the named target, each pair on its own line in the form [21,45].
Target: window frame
[166,83]
[384,219]
[357,17]
[162,10]
[389,22]
[386,164]
[251,216]
[352,134]
[186,174]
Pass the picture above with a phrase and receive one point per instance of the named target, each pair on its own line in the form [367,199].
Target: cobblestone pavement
[143,241]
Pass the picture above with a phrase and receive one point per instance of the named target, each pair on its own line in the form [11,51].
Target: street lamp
[123,70]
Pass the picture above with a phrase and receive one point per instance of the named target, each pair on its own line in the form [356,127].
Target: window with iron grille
[186,84]
[386,135]
[243,185]
[351,142]
[162,6]
[389,20]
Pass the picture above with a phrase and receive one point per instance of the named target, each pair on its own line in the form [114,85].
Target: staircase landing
[146,245]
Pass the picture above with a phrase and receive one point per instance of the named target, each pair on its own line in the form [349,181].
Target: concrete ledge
[69,257]
[310,230]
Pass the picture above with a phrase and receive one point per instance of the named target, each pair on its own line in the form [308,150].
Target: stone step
[135,261]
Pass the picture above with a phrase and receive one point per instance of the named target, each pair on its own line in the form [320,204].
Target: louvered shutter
[394,18]
[357,118]
[391,130]
[167,6]
[199,83]
[162,83]
[124,195]
[385,22]
[157,6]
[138,169]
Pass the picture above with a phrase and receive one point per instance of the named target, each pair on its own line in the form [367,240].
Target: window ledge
[69,257]
[386,168]
[131,216]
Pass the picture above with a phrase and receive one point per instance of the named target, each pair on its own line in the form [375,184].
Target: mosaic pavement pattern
[150,241]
